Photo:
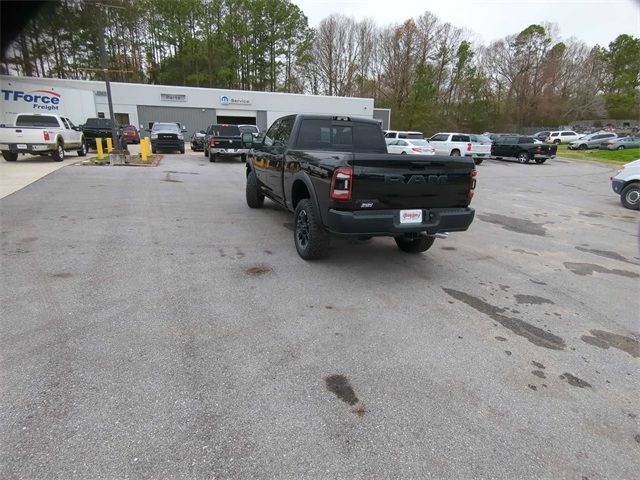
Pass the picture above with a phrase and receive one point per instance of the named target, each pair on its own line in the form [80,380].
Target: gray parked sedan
[621,143]
[591,141]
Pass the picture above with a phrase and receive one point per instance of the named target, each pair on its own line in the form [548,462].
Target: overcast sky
[593,21]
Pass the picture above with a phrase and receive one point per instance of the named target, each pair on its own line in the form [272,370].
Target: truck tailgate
[410,181]
[226,142]
[481,149]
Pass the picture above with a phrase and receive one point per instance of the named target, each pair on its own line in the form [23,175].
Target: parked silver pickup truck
[40,134]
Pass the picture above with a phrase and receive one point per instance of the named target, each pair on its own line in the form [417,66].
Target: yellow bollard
[109,145]
[99,148]
[143,149]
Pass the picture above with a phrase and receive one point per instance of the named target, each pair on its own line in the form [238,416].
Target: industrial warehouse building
[195,108]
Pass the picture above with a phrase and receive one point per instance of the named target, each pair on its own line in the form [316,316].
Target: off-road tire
[9,156]
[309,236]
[415,245]
[455,153]
[478,161]
[540,161]
[212,157]
[82,152]
[255,199]
[58,153]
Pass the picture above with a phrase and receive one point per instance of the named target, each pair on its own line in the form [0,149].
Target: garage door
[193,118]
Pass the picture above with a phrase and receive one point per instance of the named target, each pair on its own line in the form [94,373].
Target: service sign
[229,100]
[47,100]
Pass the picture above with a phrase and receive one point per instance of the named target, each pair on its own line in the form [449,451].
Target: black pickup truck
[222,140]
[336,175]
[522,148]
[98,128]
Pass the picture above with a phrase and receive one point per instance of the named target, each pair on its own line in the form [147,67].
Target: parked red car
[130,134]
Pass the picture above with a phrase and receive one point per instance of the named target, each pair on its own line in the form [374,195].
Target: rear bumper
[28,147]
[387,222]
[228,151]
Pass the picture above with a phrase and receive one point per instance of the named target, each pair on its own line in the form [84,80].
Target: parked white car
[626,183]
[39,134]
[390,135]
[480,147]
[410,147]
[563,136]
[458,144]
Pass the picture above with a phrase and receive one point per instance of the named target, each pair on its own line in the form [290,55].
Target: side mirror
[247,139]
[184,130]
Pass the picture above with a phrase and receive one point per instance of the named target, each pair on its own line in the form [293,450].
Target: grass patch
[611,157]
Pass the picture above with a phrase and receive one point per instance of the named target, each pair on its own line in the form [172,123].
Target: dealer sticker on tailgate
[410,216]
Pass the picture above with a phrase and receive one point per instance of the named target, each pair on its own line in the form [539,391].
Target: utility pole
[105,71]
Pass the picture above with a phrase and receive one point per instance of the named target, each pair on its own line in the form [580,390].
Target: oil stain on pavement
[606,254]
[259,269]
[531,299]
[605,340]
[574,381]
[339,385]
[512,224]
[535,335]
[583,269]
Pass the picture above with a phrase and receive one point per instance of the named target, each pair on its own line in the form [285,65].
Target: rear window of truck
[98,123]
[224,131]
[326,135]
[36,121]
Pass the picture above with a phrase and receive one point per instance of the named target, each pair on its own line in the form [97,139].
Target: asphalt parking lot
[154,326]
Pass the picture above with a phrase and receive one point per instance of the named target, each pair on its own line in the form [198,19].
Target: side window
[64,121]
[507,140]
[402,143]
[567,134]
[439,138]
[523,140]
[402,135]
[71,125]
[393,142]
[271,133]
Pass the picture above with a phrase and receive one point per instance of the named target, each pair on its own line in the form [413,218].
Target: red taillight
[539,149]
[212,142]
[468,147]
[46,136]
[341,184]
[472,184]
[416,149]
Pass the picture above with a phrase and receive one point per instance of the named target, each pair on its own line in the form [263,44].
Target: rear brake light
[416,149]
[341,184]
[46,135]
[468,147]
[472,184]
